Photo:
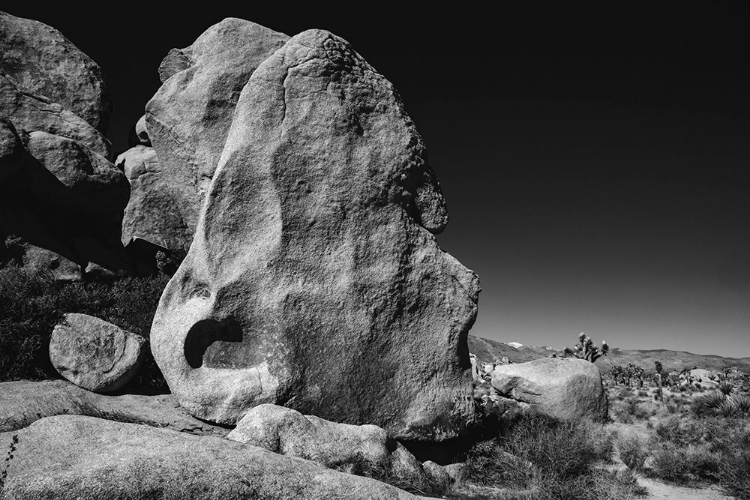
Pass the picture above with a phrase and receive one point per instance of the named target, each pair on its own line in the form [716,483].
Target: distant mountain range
[487,351]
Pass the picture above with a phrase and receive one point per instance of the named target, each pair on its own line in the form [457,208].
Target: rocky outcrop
[23,403]
[72,457]
[189,117]
[61,199]
[30,112]
[564,388]
[351,448]
[314,280]
[42,61]
[95,354]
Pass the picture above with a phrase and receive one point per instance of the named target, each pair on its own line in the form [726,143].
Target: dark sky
[594,156]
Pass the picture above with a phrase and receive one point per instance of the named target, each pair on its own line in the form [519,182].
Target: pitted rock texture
[74,457]
[95,354]
[343,446]
[564,388]
[42,61]
[189,116]
[314,281]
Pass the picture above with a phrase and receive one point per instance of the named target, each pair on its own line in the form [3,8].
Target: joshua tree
[585,349]
[659,394]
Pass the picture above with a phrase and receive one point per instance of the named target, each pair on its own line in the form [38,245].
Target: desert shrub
[686,464]
[557,459]
[32,303]
[633,452]
[725,388]
[704,449]
[708,404]
[417,485]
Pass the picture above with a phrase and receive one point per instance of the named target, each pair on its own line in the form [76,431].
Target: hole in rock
[205,333]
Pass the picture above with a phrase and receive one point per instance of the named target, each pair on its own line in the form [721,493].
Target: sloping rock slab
[564,388]
[95,354]
[24,402]
[314,280]
[74,457]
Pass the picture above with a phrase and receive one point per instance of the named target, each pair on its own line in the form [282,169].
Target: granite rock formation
[314,280]
[95,354]
[564,388]
[74,457]
[61,199]
[42,61]
[189,116]
[342,446]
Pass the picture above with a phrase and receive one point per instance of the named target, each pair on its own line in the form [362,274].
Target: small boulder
[352,448]
[95,354]
[73,457]
[141,131]
[564,388]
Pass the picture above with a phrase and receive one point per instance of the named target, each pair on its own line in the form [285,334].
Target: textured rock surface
[344,446]
[151,214]
[314,281]
[95,354]
[23,403]
[30,112]
[565,388]
[41,60]
[11,151]
[189,116]
[73,457]
[91,185]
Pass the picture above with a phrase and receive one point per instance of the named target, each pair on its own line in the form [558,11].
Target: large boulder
[41,60]
[564,388]
[31,112]
[74,457]
[342,446]
[314,280]
[95,354]
[189,116]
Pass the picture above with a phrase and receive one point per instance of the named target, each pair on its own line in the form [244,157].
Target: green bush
[31,304]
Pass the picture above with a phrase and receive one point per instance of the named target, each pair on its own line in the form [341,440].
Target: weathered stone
[141,131]
[346,447]
[95,354]
[74,457]
[151,214]
[25,402]
[313,280]
[11,151]
[43,260]
[189,116]
[41,60]
[31,112]
[91,185]
[564,388]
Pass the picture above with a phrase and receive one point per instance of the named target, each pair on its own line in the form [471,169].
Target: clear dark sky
[594,158]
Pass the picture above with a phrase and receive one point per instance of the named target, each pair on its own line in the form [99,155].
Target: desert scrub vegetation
[32,303]
[549,458]
[715,450]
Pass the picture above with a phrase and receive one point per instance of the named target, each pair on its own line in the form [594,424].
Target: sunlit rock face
[314,280]
[189,117]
